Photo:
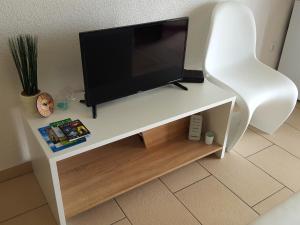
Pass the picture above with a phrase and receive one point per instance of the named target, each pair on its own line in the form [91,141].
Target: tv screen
[118,62]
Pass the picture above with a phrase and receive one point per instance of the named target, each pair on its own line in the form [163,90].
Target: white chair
[265,97]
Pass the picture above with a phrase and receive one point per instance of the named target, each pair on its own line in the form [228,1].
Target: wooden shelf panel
[96,176]
[165,133]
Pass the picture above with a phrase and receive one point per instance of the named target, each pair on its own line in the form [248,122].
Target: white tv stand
[114,159]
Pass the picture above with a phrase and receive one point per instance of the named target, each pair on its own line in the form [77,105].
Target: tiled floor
[262,171]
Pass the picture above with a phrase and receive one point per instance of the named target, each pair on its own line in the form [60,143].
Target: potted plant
[24,51]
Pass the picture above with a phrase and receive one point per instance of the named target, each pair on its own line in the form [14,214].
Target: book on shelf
[56,138]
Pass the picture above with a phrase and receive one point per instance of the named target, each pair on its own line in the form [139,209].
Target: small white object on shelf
[195,127]
[209,137]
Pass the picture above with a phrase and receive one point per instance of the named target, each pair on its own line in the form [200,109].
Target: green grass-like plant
[24,51]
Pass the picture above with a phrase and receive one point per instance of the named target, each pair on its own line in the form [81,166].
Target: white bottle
[195,127]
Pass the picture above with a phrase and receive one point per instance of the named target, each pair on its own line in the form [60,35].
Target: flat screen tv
[122,61]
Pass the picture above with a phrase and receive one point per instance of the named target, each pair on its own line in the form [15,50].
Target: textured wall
[57,23]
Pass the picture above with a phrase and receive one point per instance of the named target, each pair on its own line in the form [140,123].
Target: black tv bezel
[82,35]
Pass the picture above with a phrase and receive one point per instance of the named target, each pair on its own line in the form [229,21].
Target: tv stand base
[177,84]
[94,109]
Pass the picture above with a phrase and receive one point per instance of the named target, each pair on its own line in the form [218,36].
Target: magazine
[50,137]
[74,130]
[59,134]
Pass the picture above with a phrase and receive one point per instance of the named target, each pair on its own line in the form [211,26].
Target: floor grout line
[181,201]
[291,190]
[276,192]
[23,213]
[234,193]
[271,175]
[256,211]
[263,171]
[238,195]
[190,184]
[274,144]
[227,187]
[283,148]
[245,157]
[119,220]
[122,211]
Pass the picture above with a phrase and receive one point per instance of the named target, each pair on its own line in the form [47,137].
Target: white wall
[57,23]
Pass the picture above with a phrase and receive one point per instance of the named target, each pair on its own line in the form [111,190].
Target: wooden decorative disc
[45,104]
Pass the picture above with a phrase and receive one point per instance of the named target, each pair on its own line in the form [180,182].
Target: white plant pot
[29,103]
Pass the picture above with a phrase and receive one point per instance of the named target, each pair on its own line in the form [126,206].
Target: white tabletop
[131,115]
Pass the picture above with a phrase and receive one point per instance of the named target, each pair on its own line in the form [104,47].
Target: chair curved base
[267,115]
[277,109]
[239,124]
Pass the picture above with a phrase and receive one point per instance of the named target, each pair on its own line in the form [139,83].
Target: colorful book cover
[47,134]
[74,130]
[63,140]
[60,122]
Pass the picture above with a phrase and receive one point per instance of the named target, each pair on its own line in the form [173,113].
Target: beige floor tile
[213,204]
[280,165]
[273,201]
[251,143]
[122,222]
[105,214]
[286,137]
[184,177]
[246,180]
[19,195]
[294,119]
[298,105]
[40,216]
[154,204]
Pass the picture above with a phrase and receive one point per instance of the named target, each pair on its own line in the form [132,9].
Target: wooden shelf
[96,176]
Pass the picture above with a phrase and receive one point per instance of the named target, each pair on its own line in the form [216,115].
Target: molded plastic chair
[265,97]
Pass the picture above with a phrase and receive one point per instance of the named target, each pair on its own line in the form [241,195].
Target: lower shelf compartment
[96,176]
